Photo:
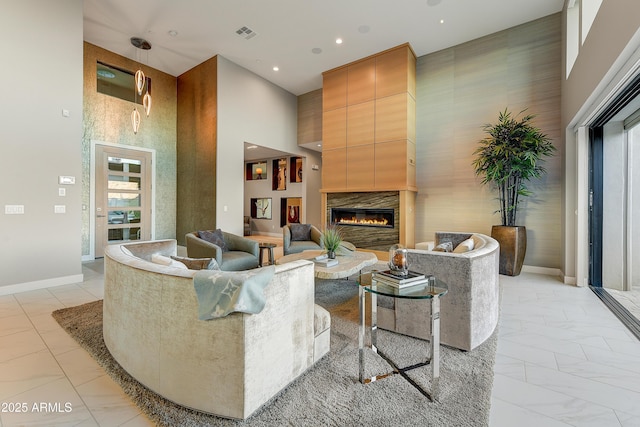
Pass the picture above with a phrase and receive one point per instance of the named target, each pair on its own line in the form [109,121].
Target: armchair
[304,237]
[240,254]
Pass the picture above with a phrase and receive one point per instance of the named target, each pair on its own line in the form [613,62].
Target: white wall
[250,109]
[41,45]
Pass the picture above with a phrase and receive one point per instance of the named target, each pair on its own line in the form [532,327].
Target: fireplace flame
[363,221]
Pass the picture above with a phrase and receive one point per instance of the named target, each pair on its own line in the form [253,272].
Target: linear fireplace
[362,217]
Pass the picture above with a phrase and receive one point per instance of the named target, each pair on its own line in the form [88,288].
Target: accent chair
[232,252]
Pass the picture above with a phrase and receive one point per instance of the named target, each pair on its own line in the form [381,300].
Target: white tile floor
[563,360]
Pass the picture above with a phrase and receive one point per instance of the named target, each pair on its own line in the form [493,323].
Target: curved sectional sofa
[228,367]
[469,311]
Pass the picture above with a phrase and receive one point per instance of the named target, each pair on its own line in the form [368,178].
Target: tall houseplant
[509,156]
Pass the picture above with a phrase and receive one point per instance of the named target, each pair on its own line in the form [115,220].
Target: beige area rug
[329,394]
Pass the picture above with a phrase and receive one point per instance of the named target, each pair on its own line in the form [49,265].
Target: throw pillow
[215,237]
[464,246]
[167,261]
[198,263]
[444,247]
[300,232]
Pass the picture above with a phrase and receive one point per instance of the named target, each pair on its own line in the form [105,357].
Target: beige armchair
[239,254]
[304,237]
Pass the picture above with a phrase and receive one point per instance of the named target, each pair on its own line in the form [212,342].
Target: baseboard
[41,284]
[87,258]
[542,270]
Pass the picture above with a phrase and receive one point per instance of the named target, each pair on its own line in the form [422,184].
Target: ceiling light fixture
[338,41]
[140,83]
[442,21]
[276,69]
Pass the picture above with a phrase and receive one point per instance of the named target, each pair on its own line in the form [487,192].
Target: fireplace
[370,220]
[362,217]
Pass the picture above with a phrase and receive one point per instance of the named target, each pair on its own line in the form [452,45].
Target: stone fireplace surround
[373,238]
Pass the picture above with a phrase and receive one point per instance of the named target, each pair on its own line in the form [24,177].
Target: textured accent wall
[107,119]
[196,148]
[458,91]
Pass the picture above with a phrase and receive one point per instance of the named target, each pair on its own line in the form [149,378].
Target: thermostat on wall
[66,180]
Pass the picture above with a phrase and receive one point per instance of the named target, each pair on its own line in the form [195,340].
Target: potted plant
[509,156]
[331,239]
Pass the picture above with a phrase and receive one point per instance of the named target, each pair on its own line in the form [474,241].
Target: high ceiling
[185,33]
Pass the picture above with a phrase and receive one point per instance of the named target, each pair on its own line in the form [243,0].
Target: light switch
[59,209]
[14,209]
[62,192]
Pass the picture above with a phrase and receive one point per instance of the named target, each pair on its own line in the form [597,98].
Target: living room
[50,127]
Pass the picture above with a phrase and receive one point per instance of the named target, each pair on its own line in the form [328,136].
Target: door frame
[92,190]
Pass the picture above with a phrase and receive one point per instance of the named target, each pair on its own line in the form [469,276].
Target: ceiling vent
[246,33]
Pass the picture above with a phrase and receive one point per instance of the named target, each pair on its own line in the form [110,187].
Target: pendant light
[140,83]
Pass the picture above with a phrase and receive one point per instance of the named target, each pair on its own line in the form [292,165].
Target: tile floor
[563,360]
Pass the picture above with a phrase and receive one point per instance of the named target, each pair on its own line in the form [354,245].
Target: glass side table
[431,289]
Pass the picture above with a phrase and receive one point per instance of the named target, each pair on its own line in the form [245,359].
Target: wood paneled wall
[369,124]
[458,91]
[310,117]
[196,149]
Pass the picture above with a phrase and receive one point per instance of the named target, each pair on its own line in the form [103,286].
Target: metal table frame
[433,358]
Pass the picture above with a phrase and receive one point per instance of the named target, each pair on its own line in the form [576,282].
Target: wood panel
[360,167]
[391,165]
[334,89]
[334,125]
[334,169]
[310,117]
[391,118]
[392,72]
[360,123]
[361,81]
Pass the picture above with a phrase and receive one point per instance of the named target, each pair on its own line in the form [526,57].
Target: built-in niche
[256,171]
[279,181]
[295,166]
[290,210]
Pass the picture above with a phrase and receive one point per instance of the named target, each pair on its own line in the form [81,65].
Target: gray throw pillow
[444,247]
[215,237]
[198,263]
[300,232]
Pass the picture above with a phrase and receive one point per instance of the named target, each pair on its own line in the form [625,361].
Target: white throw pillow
[463,247]
[160,259]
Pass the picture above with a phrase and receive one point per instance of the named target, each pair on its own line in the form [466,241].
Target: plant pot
[331,254]
[513,246]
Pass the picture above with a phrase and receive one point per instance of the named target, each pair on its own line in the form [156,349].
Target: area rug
[329,394]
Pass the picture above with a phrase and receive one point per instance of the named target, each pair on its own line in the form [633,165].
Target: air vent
[246,33]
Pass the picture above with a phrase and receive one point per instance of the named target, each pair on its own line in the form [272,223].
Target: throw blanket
[223,292]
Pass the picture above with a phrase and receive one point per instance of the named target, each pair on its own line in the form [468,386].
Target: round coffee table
[351,263]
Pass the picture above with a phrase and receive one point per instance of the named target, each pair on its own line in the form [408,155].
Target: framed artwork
[279,182]
[261,208]
[255,171]
[296,169]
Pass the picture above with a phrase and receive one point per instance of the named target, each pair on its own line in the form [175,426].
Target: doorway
[123,194]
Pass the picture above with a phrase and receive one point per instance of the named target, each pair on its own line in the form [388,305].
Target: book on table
[412,278]
[326,262]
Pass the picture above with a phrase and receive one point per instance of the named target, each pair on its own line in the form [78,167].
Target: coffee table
[431,291]
[348,264]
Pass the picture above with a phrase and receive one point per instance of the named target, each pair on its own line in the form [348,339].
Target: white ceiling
[288,30]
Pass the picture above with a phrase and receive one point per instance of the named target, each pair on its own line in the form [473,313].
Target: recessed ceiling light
[338,41]
[276,68]
[316,50]
[442,21]
[319,145]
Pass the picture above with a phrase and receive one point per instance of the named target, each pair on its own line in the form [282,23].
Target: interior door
[123,196]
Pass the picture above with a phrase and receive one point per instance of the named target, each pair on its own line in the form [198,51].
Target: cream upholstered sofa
[230,366]
[469,311]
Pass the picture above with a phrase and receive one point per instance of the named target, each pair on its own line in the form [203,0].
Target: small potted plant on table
[331,239]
